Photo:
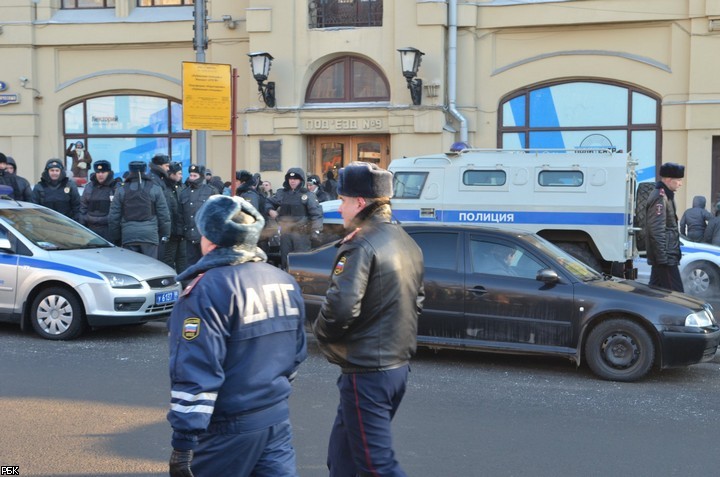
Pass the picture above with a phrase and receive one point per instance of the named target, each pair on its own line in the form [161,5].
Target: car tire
[644,189]
[620,350]
[57,314]
[701,279]
[582,252]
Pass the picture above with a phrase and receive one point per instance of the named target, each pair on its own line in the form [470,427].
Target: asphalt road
[96,407]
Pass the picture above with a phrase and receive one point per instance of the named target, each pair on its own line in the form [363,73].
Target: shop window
[345,13]
[128,128]
[348,79]
[71,4]
[584,115]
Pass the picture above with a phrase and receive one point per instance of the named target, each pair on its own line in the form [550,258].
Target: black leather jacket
[368,321]
[662,238]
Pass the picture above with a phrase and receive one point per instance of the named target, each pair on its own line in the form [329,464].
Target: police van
[581,199]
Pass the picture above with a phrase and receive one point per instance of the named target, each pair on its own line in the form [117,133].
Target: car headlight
[118,280]
[699,319]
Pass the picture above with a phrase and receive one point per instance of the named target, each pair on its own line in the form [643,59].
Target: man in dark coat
[192,197]
[330,185]
[8,175]
[237,338]
[368,322]
[56,191]
[314,186]
[695,219]
[662,239]
[175,248]
[139,215]
[97,197]
[298,214]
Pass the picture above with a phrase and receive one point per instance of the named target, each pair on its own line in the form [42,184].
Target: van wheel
[582,252]
[641,197]
[56,314]
[701,279]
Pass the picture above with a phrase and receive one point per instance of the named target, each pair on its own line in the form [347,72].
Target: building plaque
[270,155]
[352,125]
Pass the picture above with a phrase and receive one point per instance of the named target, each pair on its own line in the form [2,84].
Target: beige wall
[663,46]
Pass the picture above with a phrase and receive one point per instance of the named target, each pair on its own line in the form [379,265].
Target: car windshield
[50,230]
[571,264]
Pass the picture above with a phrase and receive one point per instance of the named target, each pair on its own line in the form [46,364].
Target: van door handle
[479,290]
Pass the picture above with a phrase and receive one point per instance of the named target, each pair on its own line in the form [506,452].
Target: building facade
[636,75]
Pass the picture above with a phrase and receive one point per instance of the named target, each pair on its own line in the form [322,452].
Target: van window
[560,178]
[409,185]
[484,178]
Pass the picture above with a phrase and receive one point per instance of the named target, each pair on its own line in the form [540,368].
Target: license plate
[166,297]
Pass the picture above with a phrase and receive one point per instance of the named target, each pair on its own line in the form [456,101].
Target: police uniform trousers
[149,249]
[292,242]
[227,450]
[666,276]
[193,252]
[174,253]
[361,441]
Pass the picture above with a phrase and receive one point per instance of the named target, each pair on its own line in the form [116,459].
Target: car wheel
[701,279]
[57,314]
[620,350]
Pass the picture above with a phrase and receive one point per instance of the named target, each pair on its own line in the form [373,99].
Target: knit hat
[137,166]
[672,170]
[364,179]
[54,164]
[221,220]
[160,159]
[208,172]
[3,158]
[102,166]
[175,167]
[196,168]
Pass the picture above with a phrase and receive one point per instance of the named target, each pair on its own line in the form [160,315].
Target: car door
[8,275]
[506,306]
[442,317]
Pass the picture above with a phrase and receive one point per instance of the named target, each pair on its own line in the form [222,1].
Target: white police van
[582,199]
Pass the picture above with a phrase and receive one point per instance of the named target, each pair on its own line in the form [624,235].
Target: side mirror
[5,244]
[548,276]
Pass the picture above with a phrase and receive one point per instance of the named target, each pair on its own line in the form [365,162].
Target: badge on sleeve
[340,266]
[658,209]
[191,328]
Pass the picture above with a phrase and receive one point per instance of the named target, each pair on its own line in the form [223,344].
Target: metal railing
[345,13]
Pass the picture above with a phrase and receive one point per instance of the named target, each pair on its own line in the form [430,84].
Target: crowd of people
[150,209]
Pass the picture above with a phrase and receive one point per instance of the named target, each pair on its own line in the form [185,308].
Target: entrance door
[330,153]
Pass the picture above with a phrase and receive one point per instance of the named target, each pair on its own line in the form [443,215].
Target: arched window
[348,80]
[128,128]
[588,113]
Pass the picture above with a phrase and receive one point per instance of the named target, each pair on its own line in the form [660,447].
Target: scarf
[221,257]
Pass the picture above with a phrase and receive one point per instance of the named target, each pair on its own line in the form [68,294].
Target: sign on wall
[207,96]
[270,155]
[9,99]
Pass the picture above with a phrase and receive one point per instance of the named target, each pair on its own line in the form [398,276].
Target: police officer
[662,239]
[139,216]
[192,197]
[175,248]
[8,175]
[298,214]
[97,197]
[315,186]
[368,323]
[236,341]
[56,191]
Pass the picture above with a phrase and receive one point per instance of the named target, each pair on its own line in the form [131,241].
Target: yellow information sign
[206,96]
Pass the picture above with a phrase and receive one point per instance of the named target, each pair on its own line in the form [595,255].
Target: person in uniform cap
[236,341]
[298,214]
[367,324]
[139,216]
[662,237]
[192,197]
[175,248]
[314,185]
[97,197]
[56,191]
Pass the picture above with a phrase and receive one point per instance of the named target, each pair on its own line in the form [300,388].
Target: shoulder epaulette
[186,291]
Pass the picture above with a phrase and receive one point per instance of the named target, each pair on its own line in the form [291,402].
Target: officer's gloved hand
[180,461]
[315,239]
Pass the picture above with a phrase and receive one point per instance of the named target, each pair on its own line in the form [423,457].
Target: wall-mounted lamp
[230,24]
[260,63]
[410,62]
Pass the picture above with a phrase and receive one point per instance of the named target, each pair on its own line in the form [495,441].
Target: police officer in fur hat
[192,197]
[236,341]
[662,237]
[368,322]
[97,197]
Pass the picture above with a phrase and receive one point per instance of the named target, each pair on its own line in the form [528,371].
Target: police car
[59,277]
[699,269]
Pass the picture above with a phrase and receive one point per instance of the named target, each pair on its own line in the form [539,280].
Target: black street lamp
[260,63]
[410,62]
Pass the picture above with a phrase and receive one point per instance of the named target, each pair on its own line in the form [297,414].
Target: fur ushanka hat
[221,221]
[364,179]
